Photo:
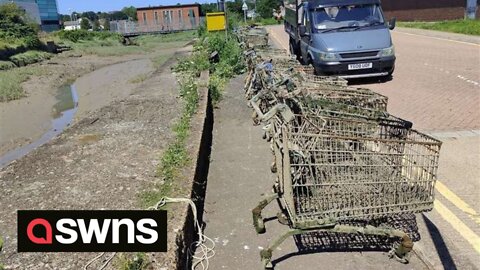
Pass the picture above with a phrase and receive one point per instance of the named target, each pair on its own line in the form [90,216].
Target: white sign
[244,7]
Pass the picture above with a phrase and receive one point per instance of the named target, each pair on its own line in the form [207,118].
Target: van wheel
[318,71]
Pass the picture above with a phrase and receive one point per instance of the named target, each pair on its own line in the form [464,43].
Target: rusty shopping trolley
[332,171]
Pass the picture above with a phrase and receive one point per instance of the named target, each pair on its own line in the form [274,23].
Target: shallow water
[63,113]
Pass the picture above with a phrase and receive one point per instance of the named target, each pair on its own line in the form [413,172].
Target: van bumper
[380,67]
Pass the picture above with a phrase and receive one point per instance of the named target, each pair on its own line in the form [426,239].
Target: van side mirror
[302,30]
[392,23]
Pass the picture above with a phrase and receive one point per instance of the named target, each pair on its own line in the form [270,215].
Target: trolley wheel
[405,259]
[282,218]
[256,121]
[260,226]
[273,167]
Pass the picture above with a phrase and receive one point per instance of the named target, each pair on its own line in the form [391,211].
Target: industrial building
[174,17]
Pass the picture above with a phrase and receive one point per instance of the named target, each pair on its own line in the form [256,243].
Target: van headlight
[326,56]
[390,51]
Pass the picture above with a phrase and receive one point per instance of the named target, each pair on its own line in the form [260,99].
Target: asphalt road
[436,85]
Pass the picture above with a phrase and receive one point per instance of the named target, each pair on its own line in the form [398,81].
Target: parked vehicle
[348,38]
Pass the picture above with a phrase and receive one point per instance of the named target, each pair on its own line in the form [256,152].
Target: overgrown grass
[110,45]
[230,61]
[267,21]
[176,156]
[31,57]
[189,69]
[468,27]
[11,80]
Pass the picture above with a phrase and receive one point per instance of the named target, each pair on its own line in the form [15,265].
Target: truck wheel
[294,50]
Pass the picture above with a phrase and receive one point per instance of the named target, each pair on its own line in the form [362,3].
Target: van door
[306,39]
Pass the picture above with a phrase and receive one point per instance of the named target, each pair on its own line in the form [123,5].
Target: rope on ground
[204,246]
[98,257]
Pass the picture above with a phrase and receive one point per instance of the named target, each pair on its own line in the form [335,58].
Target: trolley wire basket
[332,170]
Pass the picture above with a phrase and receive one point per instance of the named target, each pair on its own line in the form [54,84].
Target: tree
[265,7]
[65,18]
[119,15]
[131,12]
[106,24]
[85,24]
[96,25]
[92,16]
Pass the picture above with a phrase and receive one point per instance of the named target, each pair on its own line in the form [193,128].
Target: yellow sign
[215,21]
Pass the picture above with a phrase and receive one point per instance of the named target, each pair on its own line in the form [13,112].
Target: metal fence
[164,26]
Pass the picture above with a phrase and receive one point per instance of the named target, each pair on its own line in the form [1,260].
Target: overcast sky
[67,6]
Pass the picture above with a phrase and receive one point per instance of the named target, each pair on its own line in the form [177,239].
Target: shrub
[6,65]
[16,29]
[79,35]
[30,57]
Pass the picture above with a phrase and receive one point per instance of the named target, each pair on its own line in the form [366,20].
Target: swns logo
[92,231]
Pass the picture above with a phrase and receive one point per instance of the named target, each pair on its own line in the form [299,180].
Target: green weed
[176,156]
[139,78]
[30,57]
[11,80]
[468,27]
[138,262]
[6,65]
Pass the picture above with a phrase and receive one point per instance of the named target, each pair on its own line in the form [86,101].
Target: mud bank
[26,120]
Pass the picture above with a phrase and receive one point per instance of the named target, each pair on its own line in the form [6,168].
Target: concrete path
[239,174]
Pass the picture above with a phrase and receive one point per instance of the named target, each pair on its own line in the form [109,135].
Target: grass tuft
[138,262]
[138,79]
[6,65]
[11,82]
[30,57]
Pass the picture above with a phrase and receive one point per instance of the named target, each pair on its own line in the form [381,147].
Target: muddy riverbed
[28,122]
[106,159]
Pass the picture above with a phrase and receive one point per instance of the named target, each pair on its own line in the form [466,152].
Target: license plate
[360,66]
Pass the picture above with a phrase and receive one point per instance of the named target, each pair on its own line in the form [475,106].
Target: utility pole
[245,9]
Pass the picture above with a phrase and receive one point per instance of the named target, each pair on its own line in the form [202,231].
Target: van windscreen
[347,16]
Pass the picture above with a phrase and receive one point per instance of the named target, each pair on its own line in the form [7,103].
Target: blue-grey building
[49,14]
[44,12]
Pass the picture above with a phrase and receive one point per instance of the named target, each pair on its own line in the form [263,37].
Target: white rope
[204,246]
[98,257]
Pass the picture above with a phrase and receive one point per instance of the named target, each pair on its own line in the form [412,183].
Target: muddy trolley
[332,170]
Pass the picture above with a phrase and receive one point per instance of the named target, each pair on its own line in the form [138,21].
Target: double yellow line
[470,236]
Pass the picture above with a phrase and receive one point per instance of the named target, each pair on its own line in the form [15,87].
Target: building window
[191,15]
[156,17]
[144,18]
[167,16]
[180,18]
